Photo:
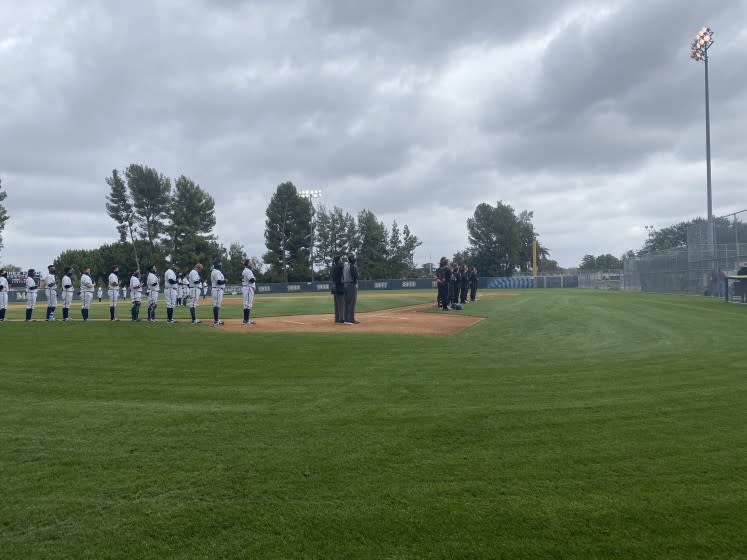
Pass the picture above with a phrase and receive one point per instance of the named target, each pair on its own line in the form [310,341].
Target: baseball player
[195,282]
[248,287]
[171,291]
[100,293]
[113,291]
[218,285]
[124,292]
[3,294]
[185,290]
[67,292]
[31,293]
[86,292]
[50,288]
[153,288]
[136,293]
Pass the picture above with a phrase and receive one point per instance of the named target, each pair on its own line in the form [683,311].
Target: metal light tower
[699,51]
[311,195]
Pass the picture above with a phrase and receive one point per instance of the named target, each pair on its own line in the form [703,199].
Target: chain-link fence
[698,268]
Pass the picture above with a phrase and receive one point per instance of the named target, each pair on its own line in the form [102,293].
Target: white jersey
[169,279]
[3,284]
[247,277]
[217,280]
[30,284]
[153,282]
[50,281]
[86,284]
[194,279]
[113,282]
[135,287]
[67,283]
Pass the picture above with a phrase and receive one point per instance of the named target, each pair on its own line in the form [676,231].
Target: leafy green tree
[608,262]
[192,217]
[548,266]
[151,201]
[400,251]
[528,236]
[235,263]
[120,209]
[287,235]
[461,257]
[3,213]
[495,239]
[371,247]
[588,262]
[335,235]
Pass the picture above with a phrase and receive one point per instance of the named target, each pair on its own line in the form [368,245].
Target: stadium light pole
[699,52]
[311,195]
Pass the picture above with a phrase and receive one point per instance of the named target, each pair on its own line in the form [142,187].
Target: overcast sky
[588,113]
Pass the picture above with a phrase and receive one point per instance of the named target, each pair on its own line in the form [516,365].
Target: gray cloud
[588,113]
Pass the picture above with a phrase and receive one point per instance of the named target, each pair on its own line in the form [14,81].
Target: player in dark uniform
[472,284]
[443,279]
[464,286]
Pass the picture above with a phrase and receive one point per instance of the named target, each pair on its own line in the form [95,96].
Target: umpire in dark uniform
[338,290]
[350,285]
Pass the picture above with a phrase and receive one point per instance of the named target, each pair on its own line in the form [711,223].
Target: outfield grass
[570,424]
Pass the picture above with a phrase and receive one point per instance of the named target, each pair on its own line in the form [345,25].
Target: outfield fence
[18,294]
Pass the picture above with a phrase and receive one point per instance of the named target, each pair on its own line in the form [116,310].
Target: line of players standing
[174,291]
[454,284]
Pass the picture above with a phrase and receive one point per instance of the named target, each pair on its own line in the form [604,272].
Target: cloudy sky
[588,113]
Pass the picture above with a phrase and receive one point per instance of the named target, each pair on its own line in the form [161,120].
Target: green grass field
[569,424]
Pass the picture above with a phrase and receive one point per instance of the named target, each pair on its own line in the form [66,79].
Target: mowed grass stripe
[569,424]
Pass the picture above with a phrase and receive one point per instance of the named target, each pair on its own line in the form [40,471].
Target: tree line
[160,220]
[667,238]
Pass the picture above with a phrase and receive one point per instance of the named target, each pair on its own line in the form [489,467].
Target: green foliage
[3,213]
[590,263]
[287,235]
[494,234]
[371,247]
[151,202]
[400,251]
[192,218]
[335,235]
[234,265]
[102,259]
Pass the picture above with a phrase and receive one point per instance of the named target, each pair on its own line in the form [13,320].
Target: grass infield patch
[567,424]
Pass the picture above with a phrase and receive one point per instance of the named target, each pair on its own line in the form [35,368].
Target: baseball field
[535,424]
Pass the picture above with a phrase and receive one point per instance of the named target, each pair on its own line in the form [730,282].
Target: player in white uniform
[50,288]
[67,292]
[153,287]
[171,291]
[31,293]
[248,287]
[185,290]
[3,294]
[218,285]
[86,292]
[136,294]
[100,293]
[124,292]
[195,281]
[113,291]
